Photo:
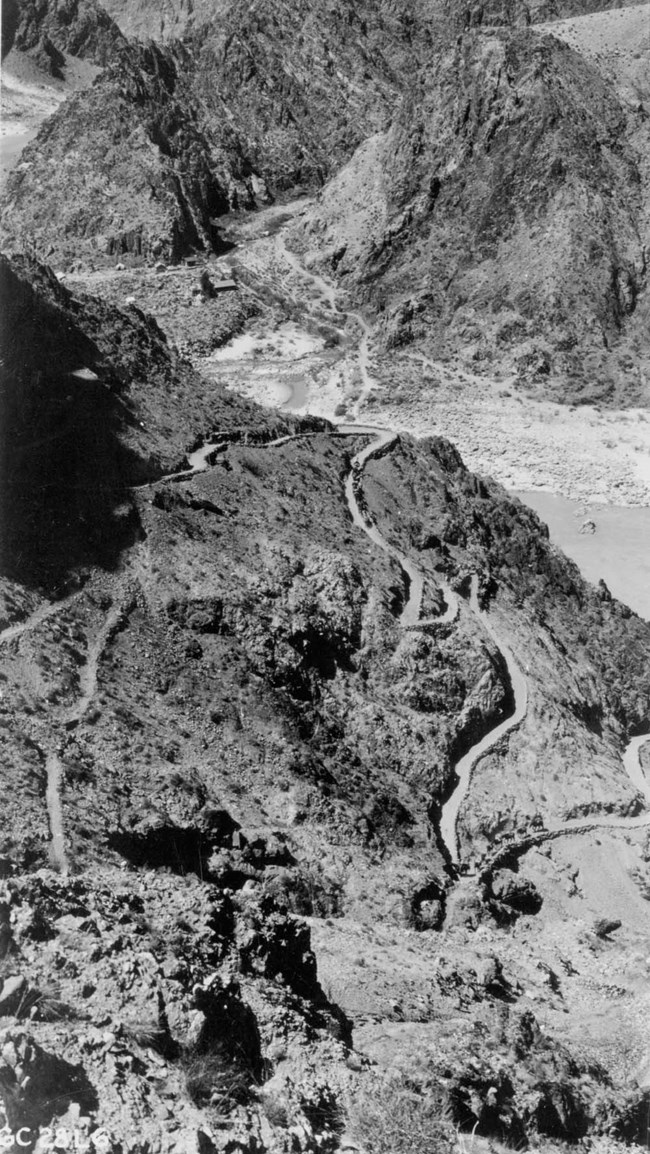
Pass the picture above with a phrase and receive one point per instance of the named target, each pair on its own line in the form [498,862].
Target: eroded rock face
[561,1098]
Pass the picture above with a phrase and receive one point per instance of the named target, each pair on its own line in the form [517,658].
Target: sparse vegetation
[213,1079]
[400,1116]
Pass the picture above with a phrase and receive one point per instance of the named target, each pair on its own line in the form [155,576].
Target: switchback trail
[88,679]
[87,684]
[75,713]
[465,767]
[383,440]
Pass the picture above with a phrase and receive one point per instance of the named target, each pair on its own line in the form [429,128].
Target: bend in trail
[54,768]
[384,439]
[465,767]
[467,764]
[37,617]
[88,679]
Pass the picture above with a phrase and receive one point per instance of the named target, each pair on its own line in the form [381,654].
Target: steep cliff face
[305,86]
[499,194]
[188,132]
[164,20]
[143,19]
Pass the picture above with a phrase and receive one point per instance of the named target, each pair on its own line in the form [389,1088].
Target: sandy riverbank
[583,454]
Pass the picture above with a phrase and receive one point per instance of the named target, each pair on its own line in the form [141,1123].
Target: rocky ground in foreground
[224,760]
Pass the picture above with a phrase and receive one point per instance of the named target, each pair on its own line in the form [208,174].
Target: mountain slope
[202,126]
[497,207]
[130,166]
[504,214]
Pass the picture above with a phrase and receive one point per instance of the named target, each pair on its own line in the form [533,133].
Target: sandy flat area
[581,453]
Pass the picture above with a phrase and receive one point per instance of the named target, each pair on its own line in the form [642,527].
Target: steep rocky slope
[49,51]
[170,138]
[130,166]
[74,435]
[217,722]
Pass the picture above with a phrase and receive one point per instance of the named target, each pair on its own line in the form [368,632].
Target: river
[618,551]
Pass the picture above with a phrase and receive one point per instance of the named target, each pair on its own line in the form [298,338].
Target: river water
[618,551]
[11,146]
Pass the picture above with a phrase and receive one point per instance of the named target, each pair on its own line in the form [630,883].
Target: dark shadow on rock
[35,1085]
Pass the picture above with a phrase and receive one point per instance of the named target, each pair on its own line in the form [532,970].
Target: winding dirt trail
[72,716]
[88,679]
[324,288]
[37,617]
[467,764]
[383,440]
[58,855]
[88,685]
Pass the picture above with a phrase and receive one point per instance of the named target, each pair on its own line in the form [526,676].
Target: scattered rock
[604,927]
[12,994]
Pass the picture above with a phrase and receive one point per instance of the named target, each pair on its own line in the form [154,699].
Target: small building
[224,286]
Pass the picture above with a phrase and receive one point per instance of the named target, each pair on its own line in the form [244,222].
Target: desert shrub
[398,1116]
[252,463]
[44,1004]
[213,1079]
[275,1110]
[146,1032]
